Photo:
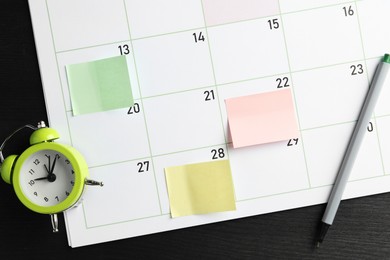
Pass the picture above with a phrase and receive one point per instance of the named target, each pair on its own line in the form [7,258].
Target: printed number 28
[218,154]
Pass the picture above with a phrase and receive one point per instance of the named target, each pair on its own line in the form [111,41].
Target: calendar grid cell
[320,7]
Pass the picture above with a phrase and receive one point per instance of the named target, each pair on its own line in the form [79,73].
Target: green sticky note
[99,85]
[200,188]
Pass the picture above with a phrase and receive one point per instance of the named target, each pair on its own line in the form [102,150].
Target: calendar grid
[219,86]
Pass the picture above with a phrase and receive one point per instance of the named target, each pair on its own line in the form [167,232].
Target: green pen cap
[386,58]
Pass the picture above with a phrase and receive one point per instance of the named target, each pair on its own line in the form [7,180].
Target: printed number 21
[209,95]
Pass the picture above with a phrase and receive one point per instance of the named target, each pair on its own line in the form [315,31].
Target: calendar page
[185,59]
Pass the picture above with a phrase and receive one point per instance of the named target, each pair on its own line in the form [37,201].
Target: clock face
[46,178]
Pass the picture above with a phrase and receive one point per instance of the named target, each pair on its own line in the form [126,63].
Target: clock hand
[51,177]
[48,172]
[54,164]
[42,178]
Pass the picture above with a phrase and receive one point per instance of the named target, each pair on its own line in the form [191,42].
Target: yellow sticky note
[200,188]
[262,118]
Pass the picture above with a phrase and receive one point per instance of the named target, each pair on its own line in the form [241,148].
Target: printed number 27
[143,166]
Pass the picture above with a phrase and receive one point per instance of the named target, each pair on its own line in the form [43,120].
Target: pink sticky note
[262,118]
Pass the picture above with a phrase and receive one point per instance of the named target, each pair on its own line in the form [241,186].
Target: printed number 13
[124,49]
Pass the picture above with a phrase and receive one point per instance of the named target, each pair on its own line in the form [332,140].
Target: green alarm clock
[48,177]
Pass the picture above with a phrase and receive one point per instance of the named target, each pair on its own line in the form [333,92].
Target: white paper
[182,69]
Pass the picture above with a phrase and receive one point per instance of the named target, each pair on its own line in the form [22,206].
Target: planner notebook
[187,62]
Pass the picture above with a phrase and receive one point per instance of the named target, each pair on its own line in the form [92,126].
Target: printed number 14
[198,37]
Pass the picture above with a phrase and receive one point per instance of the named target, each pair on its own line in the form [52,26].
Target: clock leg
[54,222]
[93,183]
